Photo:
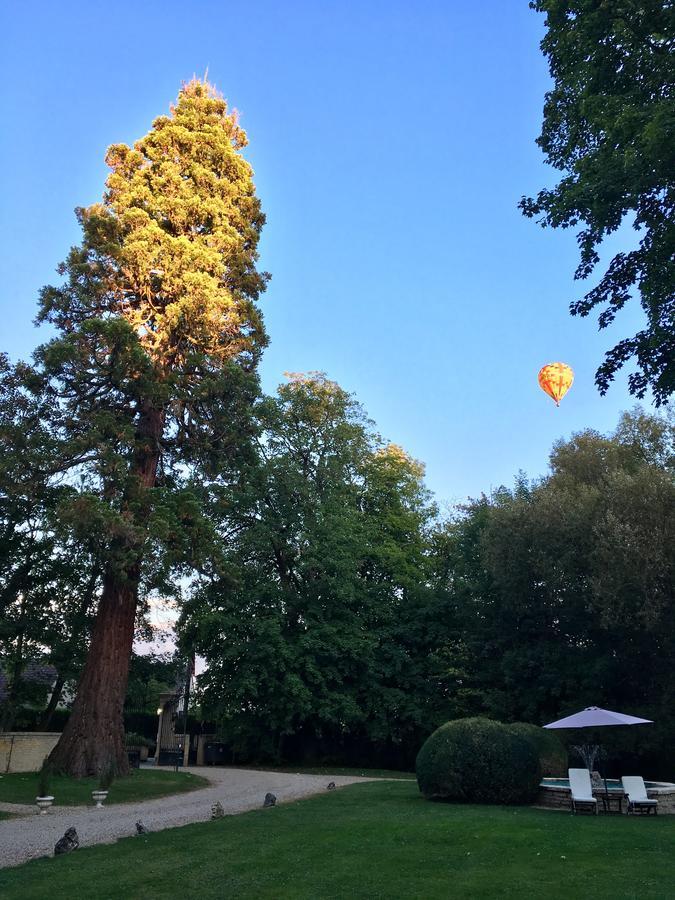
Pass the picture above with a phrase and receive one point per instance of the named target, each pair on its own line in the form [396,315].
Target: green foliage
[609,127]
[564,588]
[145,387]
[478,760]
[152,369]
[42,557]
[150,676]
[552,755]
[341,624]
[314,622]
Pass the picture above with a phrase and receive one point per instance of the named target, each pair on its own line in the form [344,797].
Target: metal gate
[173,737]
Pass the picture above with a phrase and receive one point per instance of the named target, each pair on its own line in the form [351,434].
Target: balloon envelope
[556,379]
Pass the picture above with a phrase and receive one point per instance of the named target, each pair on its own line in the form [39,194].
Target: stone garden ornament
[67,843]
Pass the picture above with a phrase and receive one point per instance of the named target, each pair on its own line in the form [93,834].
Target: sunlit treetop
[172,249]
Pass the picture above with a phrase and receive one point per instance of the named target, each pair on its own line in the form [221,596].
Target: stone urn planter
[98,797]
[43,804]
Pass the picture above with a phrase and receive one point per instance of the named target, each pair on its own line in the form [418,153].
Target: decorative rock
[270,800]
[217,811]
[67,843]
[331,785]
[141,829]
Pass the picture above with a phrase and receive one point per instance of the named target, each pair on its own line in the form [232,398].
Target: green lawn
[378,840]
[142,784]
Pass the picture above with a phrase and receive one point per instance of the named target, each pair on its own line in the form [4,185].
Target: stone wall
[25,751]
[666,799]
[559,798]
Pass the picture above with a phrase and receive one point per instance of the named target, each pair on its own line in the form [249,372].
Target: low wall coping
[15,734]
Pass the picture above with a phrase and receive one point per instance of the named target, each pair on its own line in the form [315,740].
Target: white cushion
[580,785]
[634,786]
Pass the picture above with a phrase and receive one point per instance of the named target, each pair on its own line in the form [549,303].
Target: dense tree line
[313,626]
[346,622]
[342,619]
[565,588]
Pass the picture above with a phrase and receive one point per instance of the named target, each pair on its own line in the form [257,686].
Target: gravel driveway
[238,790]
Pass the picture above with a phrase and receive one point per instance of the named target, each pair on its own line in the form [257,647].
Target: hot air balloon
[555,379]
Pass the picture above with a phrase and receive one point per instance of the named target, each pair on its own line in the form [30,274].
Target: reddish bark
[93,740]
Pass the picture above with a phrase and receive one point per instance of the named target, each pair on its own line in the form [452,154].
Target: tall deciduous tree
[150,374]
[609,126]
[313,625]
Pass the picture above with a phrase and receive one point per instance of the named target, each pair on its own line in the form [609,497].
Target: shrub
[478,761]
[552,754]
[132,739]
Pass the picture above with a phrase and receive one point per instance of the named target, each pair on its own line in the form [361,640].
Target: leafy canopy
[152,371]
[609,126]
[310,626]
[171,250]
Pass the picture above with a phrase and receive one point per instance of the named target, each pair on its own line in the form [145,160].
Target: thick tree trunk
[92,742]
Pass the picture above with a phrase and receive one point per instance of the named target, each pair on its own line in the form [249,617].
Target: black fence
[135,720]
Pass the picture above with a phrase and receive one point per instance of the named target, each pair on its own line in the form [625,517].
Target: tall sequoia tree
[150,373]
[609,127]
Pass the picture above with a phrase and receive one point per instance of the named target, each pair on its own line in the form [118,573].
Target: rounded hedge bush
[552,754]
[478,761]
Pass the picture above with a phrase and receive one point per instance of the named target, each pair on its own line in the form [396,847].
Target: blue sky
[391,142]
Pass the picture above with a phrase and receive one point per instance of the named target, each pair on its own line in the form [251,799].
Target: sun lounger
[636,796]
[580,789]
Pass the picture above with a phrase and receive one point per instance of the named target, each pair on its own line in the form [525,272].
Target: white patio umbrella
[596,717]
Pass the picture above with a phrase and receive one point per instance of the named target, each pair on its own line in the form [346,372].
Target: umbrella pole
[604,771]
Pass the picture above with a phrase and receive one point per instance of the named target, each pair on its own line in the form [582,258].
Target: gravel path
[238,790]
